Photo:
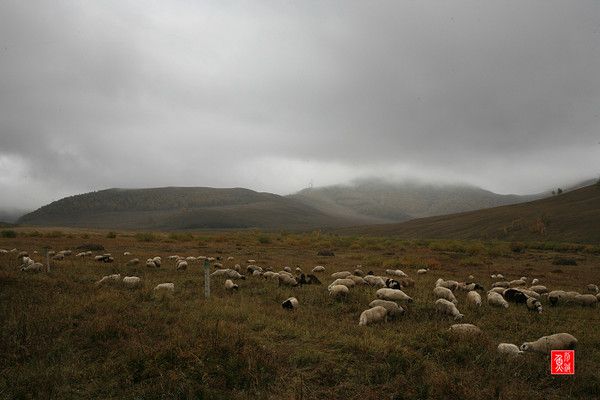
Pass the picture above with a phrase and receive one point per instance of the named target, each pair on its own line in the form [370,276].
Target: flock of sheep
[390,301]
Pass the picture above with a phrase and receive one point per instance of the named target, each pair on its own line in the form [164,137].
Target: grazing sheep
[422,271]
[251,268]
[531,293]
[446,307]
[299,270]
[217,265]
[452,285]
[393,295]
[374,280]
[157,261]
[132,282]
[181,265]
[474,298]
[534,304]
[287,269]
[229,285]
[190,258]
[27,262]
[346,282]
[392,307]
[465,329]
[539,289]
[285,280]
[555,296]
[357,280]
[359,272]
[318,268]
[592,288]
[392,284]
[373,315]
[58,257]
[309,279]
[150,263]
[256,273]
[338,290]
[133,261]
[558,341]
[33,267]
[406,282]
[169,286]
[502,284]
[471,277]
[515,295]
[126,253]
[230,258]
[109,279]
[229,273]
[467,287]
[499,276]
[441,292]
[517,283]
[509,349]
[290,303]
[586,300]
[82,254]
[496,300]
[396,272]
[341,274]
[535,281]
[251,261]
[286,274]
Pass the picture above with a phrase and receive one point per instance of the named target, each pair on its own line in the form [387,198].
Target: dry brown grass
[63,337]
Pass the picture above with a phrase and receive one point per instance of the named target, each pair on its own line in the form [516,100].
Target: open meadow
[62,336]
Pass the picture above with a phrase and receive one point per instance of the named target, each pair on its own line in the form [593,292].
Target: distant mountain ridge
[573,216]
[172,208]
[397,202]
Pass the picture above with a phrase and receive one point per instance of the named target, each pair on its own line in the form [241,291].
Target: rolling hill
[572,217]
[173,208]
[397,202]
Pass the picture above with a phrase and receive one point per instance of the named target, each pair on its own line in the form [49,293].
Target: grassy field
[63,337]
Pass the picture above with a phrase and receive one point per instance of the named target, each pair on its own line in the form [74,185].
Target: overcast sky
[271,95]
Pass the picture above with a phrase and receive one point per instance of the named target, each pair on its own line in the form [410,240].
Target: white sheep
[534,304]
[422,271]
[586,300]
[132,282]
[149,263]
[33,267]
[133,261]
[168,286]
[290,303]
[558,341]
[251,261]
[465,329]
[392,307]
[498,290]
[452,285]
[535,281]
[287,280]
[230,258]
[502,284]
[338,290]
[157,261]
[357,280]
[229,285]
[396,272]
[509,349]
[287,269]
[373,315]
[496,300]
[359,272]
[592,288]
[346,282]
[181,265]
[127,253]
[393,295]
[441,292]
[474,298]
[341,274]
[539,289]
[446,307]
[318,268]
[373,280]
[229,273]
[109,279]
[517,283]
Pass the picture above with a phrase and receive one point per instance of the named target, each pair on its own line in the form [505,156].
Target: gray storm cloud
[273,95]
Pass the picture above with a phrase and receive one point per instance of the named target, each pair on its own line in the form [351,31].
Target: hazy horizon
[273,96]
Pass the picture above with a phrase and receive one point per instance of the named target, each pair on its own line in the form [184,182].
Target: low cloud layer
[274,95]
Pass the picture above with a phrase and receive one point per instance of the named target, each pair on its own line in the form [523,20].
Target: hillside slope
[397,202]
[572,216]
[173,208]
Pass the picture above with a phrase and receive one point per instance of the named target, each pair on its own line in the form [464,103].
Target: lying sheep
[534,304]
[589,300]
[132,282]
[109,279]
[558,341]
[393,295]
[392,307]
[359,272]
[502,284]
[496,300]
[539,289]
[290,303]
[509,349]
[168,286]
[229,273]
[422,271]
[592,288]
[373,315]
[341,274]
[338,290]
[229,285]
[286,280]
[133,261]
[517,283]
[465,329]
[474,298]
[441,292]
[446,307]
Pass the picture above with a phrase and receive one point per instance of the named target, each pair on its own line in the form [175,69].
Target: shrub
[91,247]
[564,261]
[264,239]
[181,237]
[517,247]
[111,235]
[325,253]
[54,234]
[8,234]
[146,237]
